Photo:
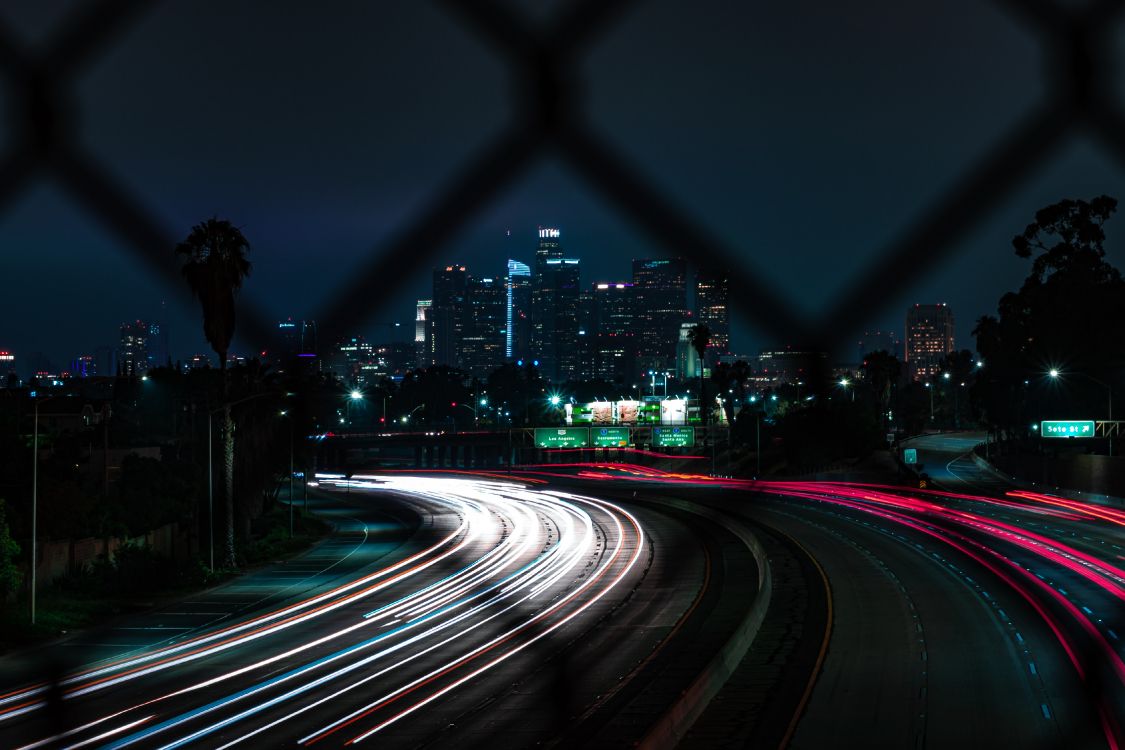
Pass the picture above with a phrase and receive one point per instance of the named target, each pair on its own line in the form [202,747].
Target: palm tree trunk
[228,465]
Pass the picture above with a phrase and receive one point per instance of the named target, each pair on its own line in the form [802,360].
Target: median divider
[678,718]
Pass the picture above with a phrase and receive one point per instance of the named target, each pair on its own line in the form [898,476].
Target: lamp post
[929,387]
[35,502]
[284,413]
[355,395]
[1055,375]
[844,383]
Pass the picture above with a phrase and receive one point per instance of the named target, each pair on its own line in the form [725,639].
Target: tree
[700,335]
[10,575]
[1064,316]
[883,372]
[215,265]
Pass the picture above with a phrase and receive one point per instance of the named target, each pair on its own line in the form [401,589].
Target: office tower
[287,343]
[554,308]
[687,359]
[712,309]
[660,304]
[7,368]
[132,351]
[517,334]
[448,311]
[84,366]
[157,352]
[352,361]
[485,329]
[614,342]
[105,360]
[422,333]
[879,341]
[929,338]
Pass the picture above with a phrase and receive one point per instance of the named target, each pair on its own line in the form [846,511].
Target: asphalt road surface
[509,615]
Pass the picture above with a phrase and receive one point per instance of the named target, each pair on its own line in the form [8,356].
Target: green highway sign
[1067,428]
[673,437]
[910,455]
[562,437]
[610,437]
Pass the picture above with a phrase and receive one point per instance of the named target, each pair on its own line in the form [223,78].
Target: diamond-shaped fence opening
[544,60]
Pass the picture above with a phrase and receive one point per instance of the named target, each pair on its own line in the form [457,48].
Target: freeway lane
[960,619]
[384,657]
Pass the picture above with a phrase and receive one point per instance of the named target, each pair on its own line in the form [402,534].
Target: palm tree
[215,266]
[700,340]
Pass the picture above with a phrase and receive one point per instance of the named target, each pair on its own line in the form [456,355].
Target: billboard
[673,411]
[601,412]
[610,437]
[627,411]
[673,437]
[562,437]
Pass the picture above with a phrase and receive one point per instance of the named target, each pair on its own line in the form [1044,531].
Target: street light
[1055,375]
[285,413]
[35,501]
[844,383]
[931,390]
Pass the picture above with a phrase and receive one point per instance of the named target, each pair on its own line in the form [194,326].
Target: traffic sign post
[1067,428]
[673,437]
[562,437]
[910,455]
[610,437]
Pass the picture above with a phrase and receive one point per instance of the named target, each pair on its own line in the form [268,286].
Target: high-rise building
[554,308]
[712,308]
[614,343]
[294,342]
[485,330]
[157,351]
[929,338]
[517,335]
[354,362]
[105,360]
[660,305]
[84,366]
[7,367]
[448,310]
[422,333]
[687,359]
[132,351]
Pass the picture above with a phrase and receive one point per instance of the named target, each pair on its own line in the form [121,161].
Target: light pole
[35,501]
[284,413]
[355,395]
[1055,375]
[844,383]
[929,387]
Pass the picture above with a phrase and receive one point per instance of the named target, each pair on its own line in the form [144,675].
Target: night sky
[806,134]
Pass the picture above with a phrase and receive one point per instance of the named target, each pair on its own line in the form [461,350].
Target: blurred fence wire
[544,60]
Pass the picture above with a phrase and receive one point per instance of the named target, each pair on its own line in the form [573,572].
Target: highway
[507,614]
[984,617]
[584,604]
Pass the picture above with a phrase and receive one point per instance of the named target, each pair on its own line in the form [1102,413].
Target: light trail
[526,563]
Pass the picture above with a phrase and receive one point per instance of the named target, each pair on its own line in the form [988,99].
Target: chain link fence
[545,59]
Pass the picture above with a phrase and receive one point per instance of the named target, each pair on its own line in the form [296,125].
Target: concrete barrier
[675,722]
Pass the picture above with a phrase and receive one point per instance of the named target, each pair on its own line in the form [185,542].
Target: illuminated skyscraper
[554,308]
[613,340]
[929,338]
[660,305]
[448,309]
[712,308]
[132,351]
[517,333]
[485,332]
[422,333]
